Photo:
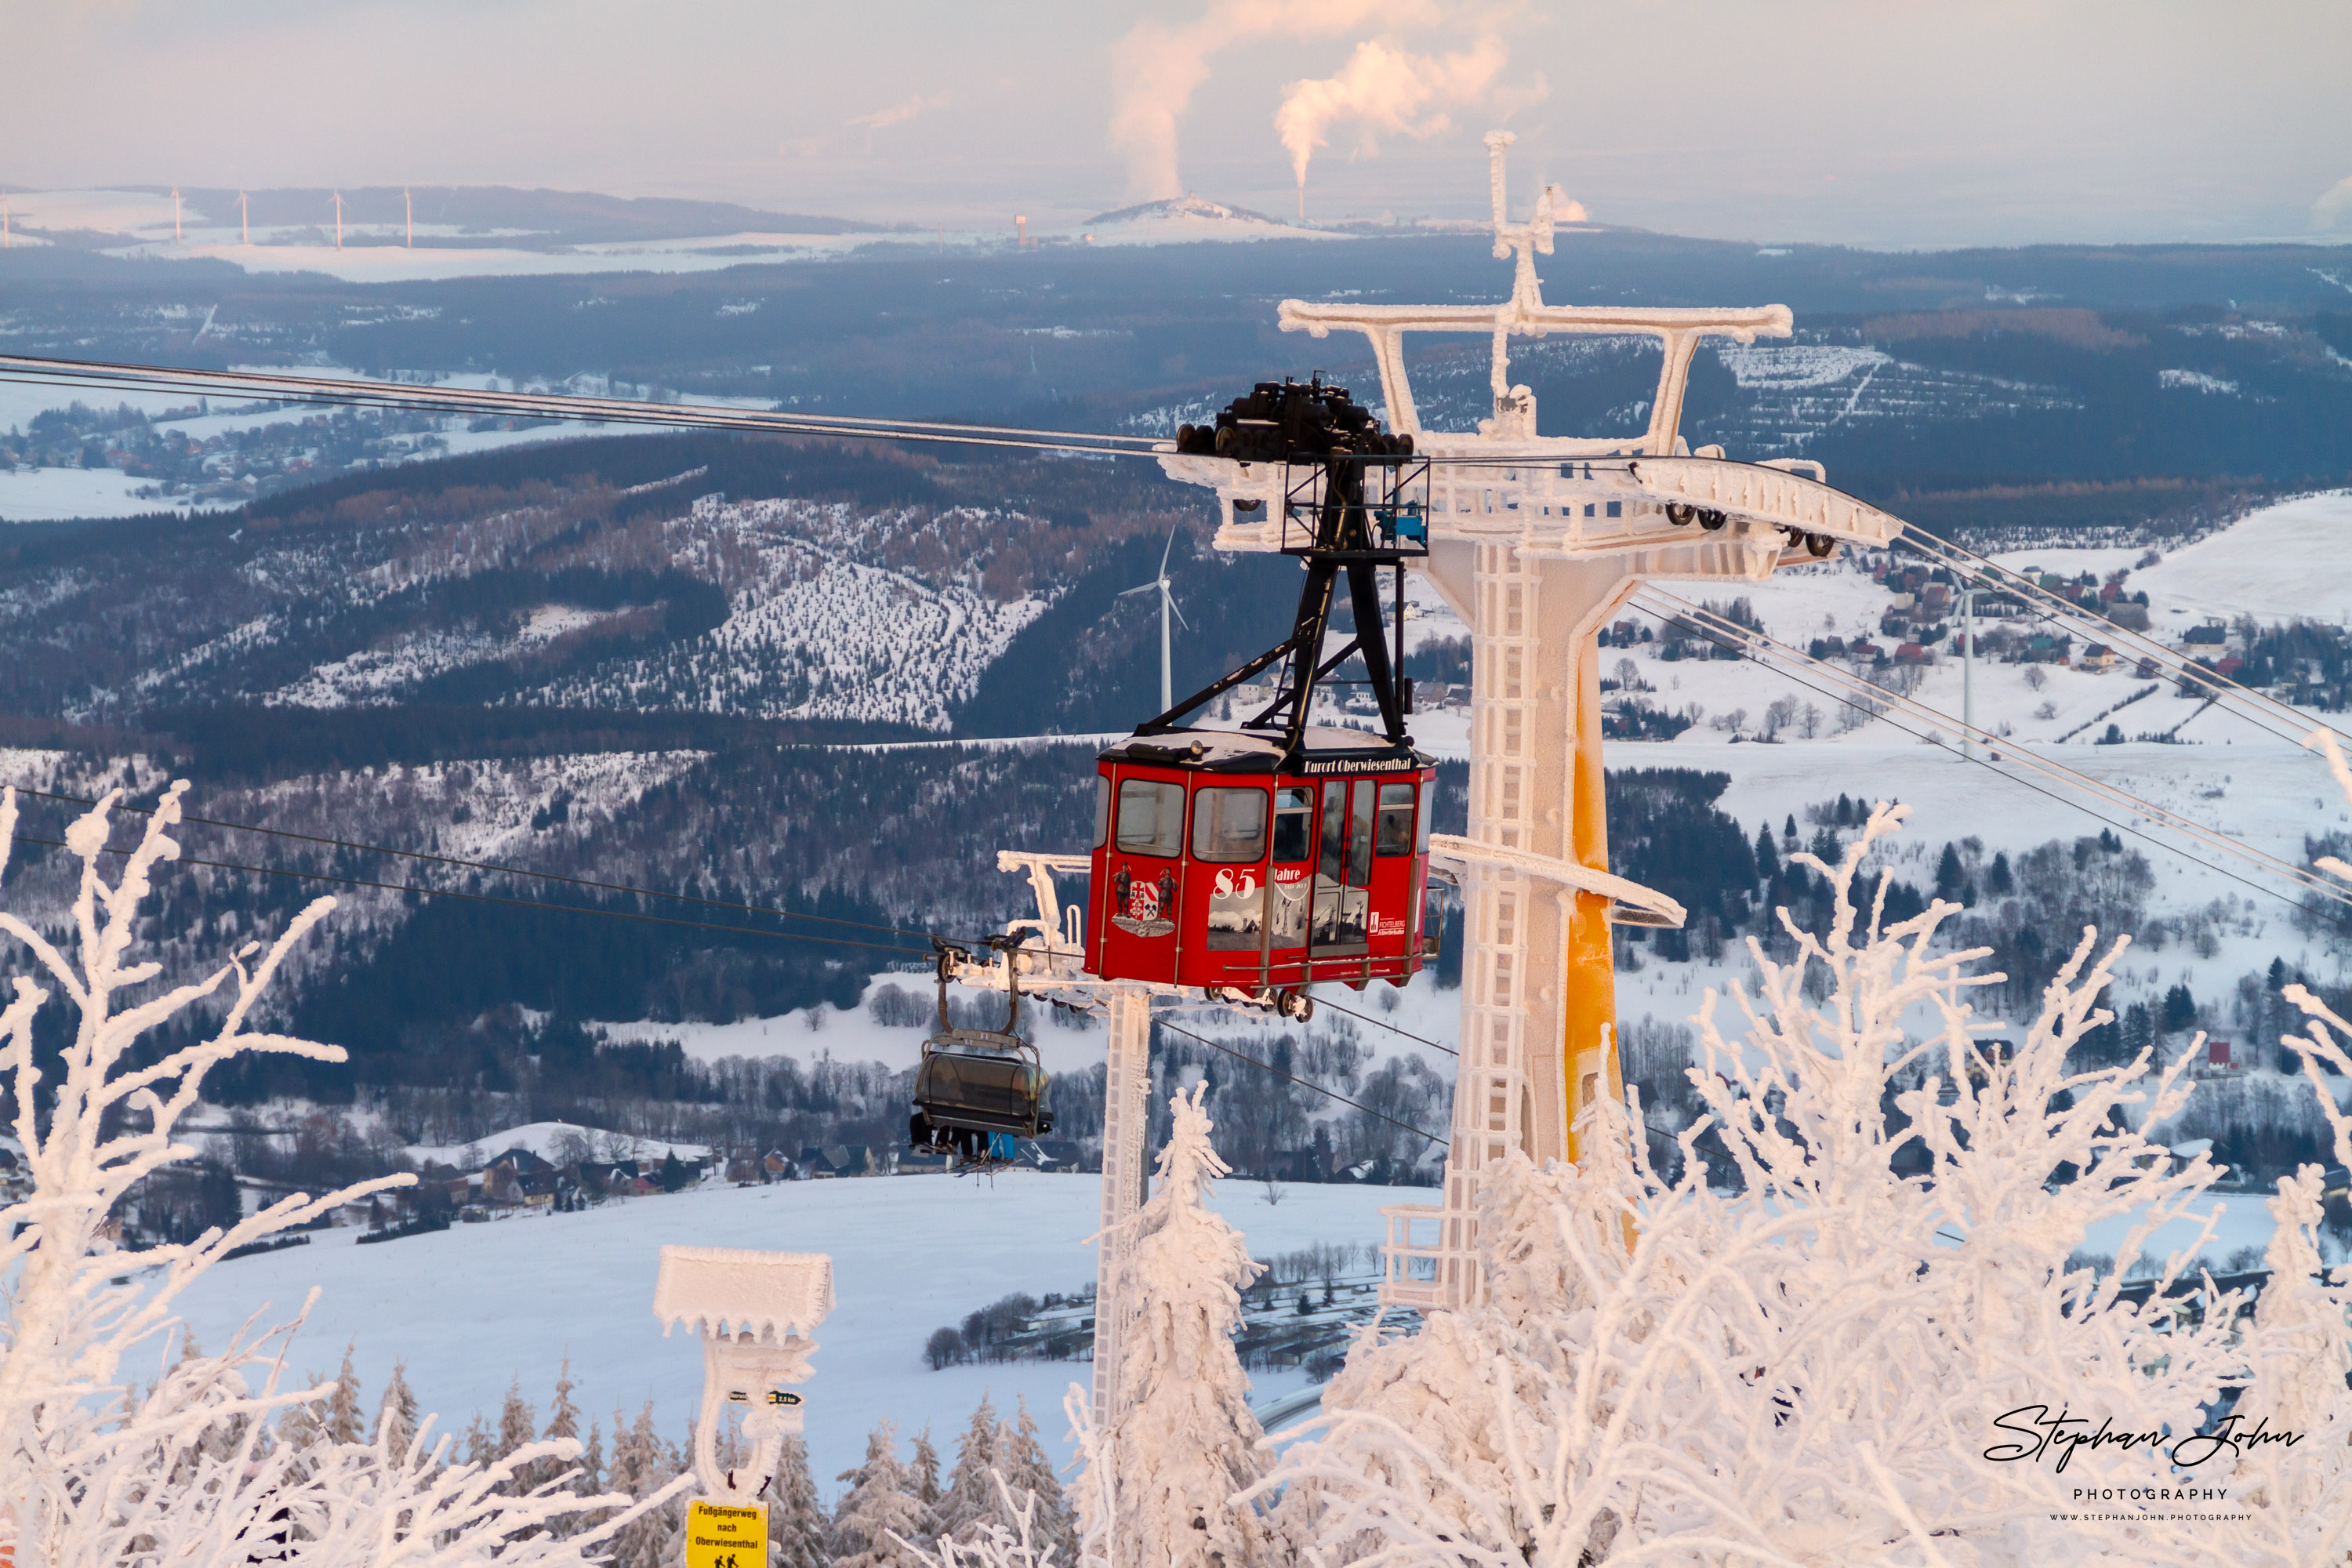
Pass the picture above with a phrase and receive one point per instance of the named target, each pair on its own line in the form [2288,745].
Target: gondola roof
[1323,749]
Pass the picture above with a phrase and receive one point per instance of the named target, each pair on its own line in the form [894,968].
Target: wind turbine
[1167,608]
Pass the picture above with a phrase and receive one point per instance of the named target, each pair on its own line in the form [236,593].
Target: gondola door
[1343,863]
[1289,887]
[1395,867]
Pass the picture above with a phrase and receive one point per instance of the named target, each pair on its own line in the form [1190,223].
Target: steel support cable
[1303,1083]
[1956,558]
[2251,706]
[2113,795]
[1931,737]
[746,422]
[689,417]
[279,387]
[350,393]
[1391,1028]
[491,866]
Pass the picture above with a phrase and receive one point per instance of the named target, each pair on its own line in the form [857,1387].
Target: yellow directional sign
[718,1536]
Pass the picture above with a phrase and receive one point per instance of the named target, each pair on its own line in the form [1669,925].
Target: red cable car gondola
[1259,861]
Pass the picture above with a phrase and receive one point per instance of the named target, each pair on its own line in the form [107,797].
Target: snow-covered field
[470,1308]
[39,495]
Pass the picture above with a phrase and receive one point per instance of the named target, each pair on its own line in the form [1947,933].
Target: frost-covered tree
[1019,1543]
[923,1477]
[1807,1363]
[970,1495]
[879,1514]
[1029,1477]
[195,1467]
[342,1422]
[797,1529]
[1164,1474]
[591,1463]
[563,1421]
[518,1425]
[644,1467]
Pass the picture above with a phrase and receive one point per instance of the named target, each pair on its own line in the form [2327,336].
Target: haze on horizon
[1938,123]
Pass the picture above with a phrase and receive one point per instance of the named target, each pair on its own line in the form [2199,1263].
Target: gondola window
[1151,819]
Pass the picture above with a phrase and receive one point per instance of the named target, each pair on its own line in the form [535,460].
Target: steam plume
[899,114]
[1384,88]
[1156,67]
[2335,206]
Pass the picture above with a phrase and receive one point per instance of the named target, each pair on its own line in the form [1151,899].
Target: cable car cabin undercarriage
[1251,862]
[978,1091]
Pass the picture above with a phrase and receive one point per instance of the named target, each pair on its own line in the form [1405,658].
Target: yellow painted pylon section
[1589,1048]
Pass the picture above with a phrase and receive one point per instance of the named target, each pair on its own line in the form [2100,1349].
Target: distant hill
[501,216]
[1192,217]
[1184,207]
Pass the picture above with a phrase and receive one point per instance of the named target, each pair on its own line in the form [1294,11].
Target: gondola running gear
[1255,861]
[979,1091]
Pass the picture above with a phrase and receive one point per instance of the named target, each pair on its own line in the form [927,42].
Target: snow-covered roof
[732,1290]
[1253,751]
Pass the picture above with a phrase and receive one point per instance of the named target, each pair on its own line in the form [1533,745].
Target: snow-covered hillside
[819,625]
[2294,559]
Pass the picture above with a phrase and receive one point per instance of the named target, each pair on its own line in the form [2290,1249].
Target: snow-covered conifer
[1029,1475]
[518,1422]
[399,1408]
[971,1494]
[797,1529]
[562,1425]
[299,1430]
[878,1515]
[480,1445]
[1184,1443]
[923,1476]
[643,1465]
[591,1463]
[342,1422]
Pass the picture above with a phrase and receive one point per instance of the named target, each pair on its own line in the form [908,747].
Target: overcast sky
[1884,123]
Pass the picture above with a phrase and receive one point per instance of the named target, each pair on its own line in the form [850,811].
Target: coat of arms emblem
[1141,907]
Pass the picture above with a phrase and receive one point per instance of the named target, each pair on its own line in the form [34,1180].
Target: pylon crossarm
[1550,500]
[1764,492]
[1643,902]
[1741,323]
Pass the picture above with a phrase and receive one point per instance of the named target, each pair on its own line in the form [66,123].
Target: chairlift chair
[978,1091]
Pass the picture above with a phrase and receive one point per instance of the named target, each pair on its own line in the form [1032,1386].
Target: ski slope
[470,1308]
